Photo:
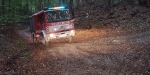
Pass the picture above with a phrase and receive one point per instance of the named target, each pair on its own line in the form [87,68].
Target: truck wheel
[46,43]
[70,39]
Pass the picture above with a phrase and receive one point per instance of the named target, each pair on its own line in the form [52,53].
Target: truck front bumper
[63,34]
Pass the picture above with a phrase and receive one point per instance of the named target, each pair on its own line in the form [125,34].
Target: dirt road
[120,54]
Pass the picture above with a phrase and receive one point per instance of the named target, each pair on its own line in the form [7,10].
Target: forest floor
[105,50]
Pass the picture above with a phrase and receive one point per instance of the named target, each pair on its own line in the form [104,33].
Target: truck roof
[49,9]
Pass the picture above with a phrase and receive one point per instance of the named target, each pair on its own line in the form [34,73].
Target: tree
[71,7]
[144,2]
[3,5]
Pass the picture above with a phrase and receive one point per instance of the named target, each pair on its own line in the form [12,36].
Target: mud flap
[33,38]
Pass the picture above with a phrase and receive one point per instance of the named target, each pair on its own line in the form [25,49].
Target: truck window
[40,18]
[57,15]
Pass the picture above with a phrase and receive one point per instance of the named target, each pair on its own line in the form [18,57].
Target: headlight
[55,29]
[72,31]
[51,35]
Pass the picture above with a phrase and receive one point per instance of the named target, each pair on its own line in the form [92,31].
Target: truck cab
[52,23]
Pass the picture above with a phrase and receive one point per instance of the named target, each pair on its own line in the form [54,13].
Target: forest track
[111,55]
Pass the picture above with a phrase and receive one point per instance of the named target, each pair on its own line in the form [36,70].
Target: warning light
[55,8]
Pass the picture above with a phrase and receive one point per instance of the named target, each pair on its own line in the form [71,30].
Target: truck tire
[46,43]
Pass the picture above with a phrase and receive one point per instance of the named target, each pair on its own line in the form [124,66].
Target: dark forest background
[13,11]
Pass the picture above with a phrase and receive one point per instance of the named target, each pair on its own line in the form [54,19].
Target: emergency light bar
[55,8]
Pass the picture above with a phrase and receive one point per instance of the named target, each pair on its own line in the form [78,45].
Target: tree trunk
[27,9]
[87,4]
[131,2]
[63,2]
[144,2]
[78,1]
[71,8]
[3,7]
[39,5]
[148,3]
[106,5]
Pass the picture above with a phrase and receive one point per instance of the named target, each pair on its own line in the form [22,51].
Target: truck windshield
[57,15]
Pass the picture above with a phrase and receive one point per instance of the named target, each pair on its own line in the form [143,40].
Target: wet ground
[109,53]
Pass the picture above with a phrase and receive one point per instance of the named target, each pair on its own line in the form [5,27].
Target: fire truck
[52,23]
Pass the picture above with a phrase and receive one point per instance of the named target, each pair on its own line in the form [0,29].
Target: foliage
[25,53]
[18,10]
[20,42]
[13,11]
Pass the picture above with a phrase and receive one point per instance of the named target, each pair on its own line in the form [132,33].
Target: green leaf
[26,53]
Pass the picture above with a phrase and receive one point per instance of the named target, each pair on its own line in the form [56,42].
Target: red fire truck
[52,23]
